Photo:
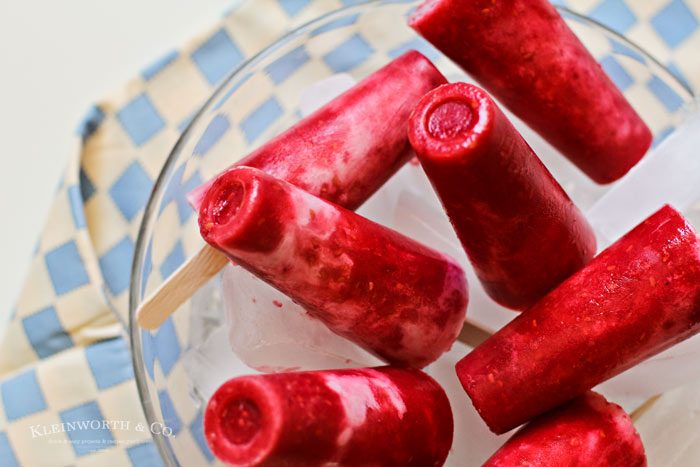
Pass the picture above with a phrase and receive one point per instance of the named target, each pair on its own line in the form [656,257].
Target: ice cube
[675,367]
[381,206]
[669,174]
[208,312]
[669,369]
[421,217]
[271,333]
[209,360]
[210,364]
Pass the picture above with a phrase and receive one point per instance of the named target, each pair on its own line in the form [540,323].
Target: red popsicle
[348,148]
[395,297]
[365,417]
[638,297]
[519,228]
[587,432]
[523,53]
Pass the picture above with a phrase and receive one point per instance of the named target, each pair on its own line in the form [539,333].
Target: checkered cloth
[65,357]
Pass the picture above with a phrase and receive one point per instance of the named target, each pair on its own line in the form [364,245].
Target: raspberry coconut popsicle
[587,432]
[347,149]
[523,52]
[638,297]
[393,296]
[376,416]
[521,231]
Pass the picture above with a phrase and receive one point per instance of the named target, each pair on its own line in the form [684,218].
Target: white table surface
[56,59]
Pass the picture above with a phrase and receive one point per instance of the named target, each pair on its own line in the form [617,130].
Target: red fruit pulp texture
[395,297]
[587,432]
[638,297]
[376,416]
[348,148]
[521,231]
[523,53]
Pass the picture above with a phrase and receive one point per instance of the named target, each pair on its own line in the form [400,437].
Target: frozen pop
[638,297]
[347,149]
[521,231]
[587,432]
[393,296]
[377,416]
[523,53]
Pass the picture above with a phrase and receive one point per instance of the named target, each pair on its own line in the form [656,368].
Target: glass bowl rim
[148,218]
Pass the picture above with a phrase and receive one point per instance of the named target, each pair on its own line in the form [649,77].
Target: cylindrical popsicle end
[243,211]
[338,417]
[242,421]
[449,121]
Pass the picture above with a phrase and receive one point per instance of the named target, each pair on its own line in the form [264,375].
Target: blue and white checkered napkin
[64,358]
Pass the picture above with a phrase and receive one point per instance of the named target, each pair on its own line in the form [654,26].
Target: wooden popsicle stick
[644,408]
[180,287]
[472,335]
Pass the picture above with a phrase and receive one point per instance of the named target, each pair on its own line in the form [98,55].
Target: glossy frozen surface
[523,52]
[521,231]
[378,416]
[586,432]
[638,297]
[395,297]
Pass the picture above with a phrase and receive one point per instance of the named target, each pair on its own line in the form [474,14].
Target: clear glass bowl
[261,99]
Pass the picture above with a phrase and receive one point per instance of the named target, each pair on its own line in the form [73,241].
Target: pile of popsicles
[285,214]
